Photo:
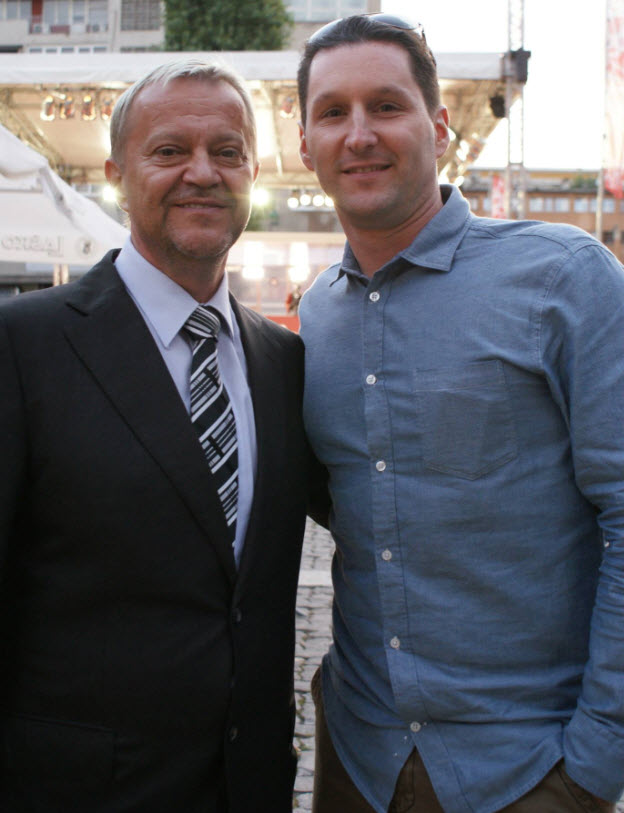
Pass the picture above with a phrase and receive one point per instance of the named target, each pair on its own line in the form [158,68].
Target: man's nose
[361,133]
[201,169]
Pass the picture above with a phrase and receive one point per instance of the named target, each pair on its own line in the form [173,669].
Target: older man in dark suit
[152,493]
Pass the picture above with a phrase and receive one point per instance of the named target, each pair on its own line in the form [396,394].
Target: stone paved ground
[313,635]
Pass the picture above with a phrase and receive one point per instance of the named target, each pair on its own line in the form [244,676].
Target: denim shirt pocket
[467,419]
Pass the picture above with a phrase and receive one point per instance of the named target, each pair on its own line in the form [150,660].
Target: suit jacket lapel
[264,371]
[113,341]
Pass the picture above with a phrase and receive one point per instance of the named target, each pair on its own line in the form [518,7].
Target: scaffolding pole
[516,71]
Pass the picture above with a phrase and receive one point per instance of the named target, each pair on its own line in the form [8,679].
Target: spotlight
[497,106]
[88,107]
[318,200]
[106,108]
[305,199]
[253,268]
[260,196]
[293,200]
[47,109]
[66,108]
[299,262]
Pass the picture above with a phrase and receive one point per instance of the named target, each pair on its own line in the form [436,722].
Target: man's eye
[232,156]
[166,152]
[332,113]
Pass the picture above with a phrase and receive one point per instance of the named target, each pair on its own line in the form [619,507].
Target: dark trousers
[334,791]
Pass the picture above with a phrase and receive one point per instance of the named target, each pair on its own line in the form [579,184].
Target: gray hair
[192,68]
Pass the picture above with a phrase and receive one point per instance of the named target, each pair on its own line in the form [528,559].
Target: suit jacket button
[237,615]
[233,733]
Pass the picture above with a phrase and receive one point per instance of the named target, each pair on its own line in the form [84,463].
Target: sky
[564,95]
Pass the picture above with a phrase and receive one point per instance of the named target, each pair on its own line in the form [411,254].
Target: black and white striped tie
[211,409]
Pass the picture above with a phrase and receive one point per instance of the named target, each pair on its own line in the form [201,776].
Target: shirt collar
[435,245]
[162,301]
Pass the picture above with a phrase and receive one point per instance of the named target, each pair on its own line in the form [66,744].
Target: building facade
[84,26]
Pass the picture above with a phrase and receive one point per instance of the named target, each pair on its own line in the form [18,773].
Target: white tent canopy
[81,142]
[44,220]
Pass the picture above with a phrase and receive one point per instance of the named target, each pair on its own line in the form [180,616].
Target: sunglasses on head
[390,20]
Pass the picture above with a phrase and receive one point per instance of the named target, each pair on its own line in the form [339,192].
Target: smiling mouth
[366,169]
[202,205]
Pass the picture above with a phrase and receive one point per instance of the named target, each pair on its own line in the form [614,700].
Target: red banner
[498,196]
[614,99]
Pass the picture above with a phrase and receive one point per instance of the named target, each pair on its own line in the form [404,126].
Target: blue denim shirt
[468,401]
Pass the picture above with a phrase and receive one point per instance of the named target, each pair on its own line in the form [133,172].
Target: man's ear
[303,149]
[441,125]
[114,176]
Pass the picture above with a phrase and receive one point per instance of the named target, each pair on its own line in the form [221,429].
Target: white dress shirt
[166,306]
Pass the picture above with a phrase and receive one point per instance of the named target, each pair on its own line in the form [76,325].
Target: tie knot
[203,323]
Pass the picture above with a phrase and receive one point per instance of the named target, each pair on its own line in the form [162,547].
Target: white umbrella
[44,220]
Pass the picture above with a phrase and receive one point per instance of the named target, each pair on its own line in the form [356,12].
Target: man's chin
[202,249]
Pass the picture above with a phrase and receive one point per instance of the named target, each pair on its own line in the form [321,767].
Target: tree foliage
[226,25]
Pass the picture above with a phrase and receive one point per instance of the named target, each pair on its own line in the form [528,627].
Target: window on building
[487,204]
[97,15]
[608,206]
[15,9]
[49,12]
[62,12]
[140,15]
[347,7]
[74,12]
[78,12]
[297,8]
[536,204]
[324,10]
[608,237]
[581,205]
[562,204]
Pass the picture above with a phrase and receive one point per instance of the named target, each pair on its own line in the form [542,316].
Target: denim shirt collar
[434,246]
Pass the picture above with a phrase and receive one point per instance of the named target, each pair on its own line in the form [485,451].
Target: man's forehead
[194,99]
[385,67]
[182,86]
[391,54]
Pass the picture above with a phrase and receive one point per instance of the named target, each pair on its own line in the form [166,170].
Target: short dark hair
[363,28]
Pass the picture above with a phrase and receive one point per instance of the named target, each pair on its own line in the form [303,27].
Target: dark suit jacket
[140,671]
